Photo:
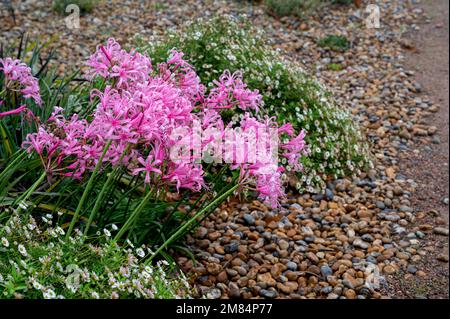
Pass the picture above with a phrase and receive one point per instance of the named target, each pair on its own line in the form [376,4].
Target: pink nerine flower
[183,75]
[149,166]
[295,149]
[186,176]
[18,78]
[270,188]
[112,62]
[286,128]
[230,91]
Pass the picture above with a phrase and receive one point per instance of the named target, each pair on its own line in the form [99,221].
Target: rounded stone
[292,266]
[325,270]
[270,294]
[249,219]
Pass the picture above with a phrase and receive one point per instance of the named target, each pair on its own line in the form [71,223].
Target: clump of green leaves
[336,143]
[160,5]
[299,8]
[343,2]
[37,262]
[335,43]
[334,67]
[85,6]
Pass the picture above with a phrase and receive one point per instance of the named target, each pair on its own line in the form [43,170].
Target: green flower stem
[158,195]
[134,215]
[87,190]
[192,220]
[196,224]
[99,199]
[183,201]
[30,191]
[98,202]
[106,216]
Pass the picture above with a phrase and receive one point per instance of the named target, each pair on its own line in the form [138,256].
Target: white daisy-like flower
[36,285]
[121,286]
[95,295]
[23,205]
[148,269]
[114,227]
[146,275]
[140,252]
[49,294]
[22,250]
[5,242]
[107,232]
[130,243]
[197,35]
[60,230]
[73,288]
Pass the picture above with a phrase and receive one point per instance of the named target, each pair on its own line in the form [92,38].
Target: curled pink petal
[15,111]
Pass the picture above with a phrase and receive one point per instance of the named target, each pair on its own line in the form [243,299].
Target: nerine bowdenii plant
[337,147]
[142,113]
[137,115]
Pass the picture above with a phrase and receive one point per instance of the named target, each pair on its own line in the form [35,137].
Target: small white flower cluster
[37,262]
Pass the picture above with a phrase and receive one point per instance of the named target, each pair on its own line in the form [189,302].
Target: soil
[427,164]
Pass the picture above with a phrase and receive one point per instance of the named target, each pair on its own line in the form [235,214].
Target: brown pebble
[389,269]
[350,294]
[213,268]
[222,276]
[312,257]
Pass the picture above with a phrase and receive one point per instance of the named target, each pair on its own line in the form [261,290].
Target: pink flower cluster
[18,78]
[230,91]
[137,115]
[181,74]
[125,68]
